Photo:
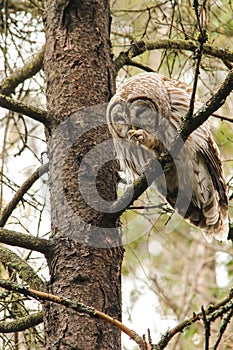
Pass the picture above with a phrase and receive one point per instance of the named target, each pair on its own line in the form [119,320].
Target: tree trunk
[85,264]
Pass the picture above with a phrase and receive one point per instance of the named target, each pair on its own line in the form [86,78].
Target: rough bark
[85,262]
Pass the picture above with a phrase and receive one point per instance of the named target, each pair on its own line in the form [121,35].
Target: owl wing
[210,155]
[179,95]
[209,202]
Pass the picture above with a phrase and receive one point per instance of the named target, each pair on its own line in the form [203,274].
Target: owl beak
[133,127]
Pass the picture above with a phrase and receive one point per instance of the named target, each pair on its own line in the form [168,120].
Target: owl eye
[119,120]
[117,114]
[144,115]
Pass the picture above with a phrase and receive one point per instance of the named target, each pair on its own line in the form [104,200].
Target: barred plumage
[143,118]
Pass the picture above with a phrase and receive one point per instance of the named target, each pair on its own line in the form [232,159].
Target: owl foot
[137,135]
[143,138]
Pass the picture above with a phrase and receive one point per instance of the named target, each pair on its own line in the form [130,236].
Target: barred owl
[143,118]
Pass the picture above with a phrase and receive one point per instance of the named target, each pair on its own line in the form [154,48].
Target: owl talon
[136,135]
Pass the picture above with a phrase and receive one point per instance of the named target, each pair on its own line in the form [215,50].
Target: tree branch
[22,240]
[206,327]
[18,76]
[15,106]
[140,47]
[226,303]
[22,323]
[21,192]
[221,117]
[76,306]
[202,39]
[25,271]
[213,311]
[130,62]
[151,172]
[189,125]
[223,327]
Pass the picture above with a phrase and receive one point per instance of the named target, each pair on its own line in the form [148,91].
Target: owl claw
[136,135]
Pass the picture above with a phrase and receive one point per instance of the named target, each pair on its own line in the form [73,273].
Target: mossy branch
[23,240]
[18,76]
[16,106]
[22,323]
[139,47]
[25,271]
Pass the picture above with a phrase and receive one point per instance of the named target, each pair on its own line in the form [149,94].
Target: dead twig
[7,211]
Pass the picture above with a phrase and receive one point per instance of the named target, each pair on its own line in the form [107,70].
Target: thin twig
[198,56]
[225,303]
[202,39]
[207,328]
[7,211]
[222,329]
[132,63]
[221,117]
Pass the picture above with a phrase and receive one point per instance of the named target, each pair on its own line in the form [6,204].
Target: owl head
[140,103]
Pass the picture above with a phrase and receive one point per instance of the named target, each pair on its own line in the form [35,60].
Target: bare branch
[21,323]
[25,271]
[15,106]
[21,192]
[207,328]
[151,172]
[222,117]
[223,327]
[140,47]
[226,303]
[188,126]
[25,241]
[30,68]
[76,306]
[129,62]
[202,39]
